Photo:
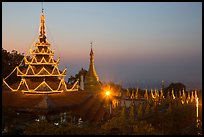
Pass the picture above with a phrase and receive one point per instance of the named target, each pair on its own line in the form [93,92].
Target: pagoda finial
[91,44]
[42,7]
[42,36]
[91,53]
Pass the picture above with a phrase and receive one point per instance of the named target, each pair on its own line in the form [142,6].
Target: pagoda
[91,82]
[41,91]
[41,74]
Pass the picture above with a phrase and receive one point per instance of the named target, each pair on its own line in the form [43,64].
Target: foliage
[176,87]
[46,128]
[140,111]
[132,114]
[9,61]
[73,79]
[147,109]
[41,128]
[118,123]
[143,128]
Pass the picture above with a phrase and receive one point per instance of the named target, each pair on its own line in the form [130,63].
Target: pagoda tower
[91,82]
[41,74]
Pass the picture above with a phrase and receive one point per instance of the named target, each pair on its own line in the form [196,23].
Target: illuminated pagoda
[41,74]
[91,82]
[42,91]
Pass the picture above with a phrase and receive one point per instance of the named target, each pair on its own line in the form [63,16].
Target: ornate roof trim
[62,83]
[43,84]
[28,69]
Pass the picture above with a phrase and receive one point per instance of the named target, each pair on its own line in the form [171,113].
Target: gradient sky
[135,44]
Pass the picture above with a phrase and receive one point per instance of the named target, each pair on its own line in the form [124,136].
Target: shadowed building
[91,82]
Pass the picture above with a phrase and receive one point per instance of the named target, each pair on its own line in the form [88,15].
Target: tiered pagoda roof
[41,74]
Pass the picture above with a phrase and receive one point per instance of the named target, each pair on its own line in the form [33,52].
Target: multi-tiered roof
[41,74]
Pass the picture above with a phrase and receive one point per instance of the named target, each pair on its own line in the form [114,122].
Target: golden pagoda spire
[91,82]
[91,52]
[92,71]
[42,37]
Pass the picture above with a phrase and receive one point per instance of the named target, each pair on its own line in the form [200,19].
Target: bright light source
[107,93]
[56,124]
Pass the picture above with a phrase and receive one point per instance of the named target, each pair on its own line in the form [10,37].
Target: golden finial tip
[91,44]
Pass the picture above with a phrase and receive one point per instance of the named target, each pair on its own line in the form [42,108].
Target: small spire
[42,36]
[42,7]
[91,53]
[91,44]
[42,24]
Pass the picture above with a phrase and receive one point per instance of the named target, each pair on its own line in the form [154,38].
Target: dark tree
[176,87]
[73,79]
[9,62]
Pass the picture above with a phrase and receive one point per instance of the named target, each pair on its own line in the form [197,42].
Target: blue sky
[134,43]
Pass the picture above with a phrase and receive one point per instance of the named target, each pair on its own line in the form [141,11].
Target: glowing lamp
[107,93]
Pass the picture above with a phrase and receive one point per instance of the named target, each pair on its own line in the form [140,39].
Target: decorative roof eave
[29,63]
[37,44]
[43,70]
[51,60]
[41,84]
[50,54]
[58,72]
[42,62]
[25,59]
[8,86]
[64,72]
[23,81]
[58,61]
[24,75]
[30,68]
[62,83]
[75,87]
[42,92]
[19,71]
[42,52]
[34,60]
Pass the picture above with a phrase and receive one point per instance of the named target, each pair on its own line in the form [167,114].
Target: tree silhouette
[9,62]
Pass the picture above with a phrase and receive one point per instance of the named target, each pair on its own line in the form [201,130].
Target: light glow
[197,107]
[173,94]
[107,93]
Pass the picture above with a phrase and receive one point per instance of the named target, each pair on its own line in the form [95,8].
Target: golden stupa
[91,82]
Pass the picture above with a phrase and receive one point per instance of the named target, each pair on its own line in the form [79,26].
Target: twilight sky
[135,44]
